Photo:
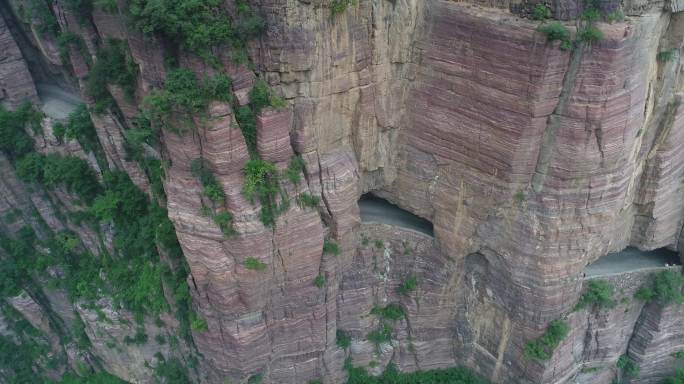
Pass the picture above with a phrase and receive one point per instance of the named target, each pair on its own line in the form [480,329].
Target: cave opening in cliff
[632,259]
[378,210]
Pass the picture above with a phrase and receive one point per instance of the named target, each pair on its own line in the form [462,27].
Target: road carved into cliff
[376,210]
[630,260]
[57,102]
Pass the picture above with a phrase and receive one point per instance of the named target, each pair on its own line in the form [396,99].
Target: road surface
[376,210]
[629,260]
[57,102]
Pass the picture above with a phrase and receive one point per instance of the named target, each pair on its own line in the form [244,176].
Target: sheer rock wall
[531,162]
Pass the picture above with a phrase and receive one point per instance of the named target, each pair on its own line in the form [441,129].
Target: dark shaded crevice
[41,71]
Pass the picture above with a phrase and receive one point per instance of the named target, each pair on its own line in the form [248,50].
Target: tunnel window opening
[378,210]
[632,259]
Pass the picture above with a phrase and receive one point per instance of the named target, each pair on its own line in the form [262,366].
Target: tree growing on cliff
[599,294]
[542,348]
[664,288]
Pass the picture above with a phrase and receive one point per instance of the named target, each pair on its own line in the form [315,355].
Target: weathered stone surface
[16,83]
[530,161]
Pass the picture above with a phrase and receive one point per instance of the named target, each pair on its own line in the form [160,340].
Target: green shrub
[391,375]
[342,339]
[262,181]
[254,264]
[339,6]
[679,354]
[197,26]
[109,6]
[172,371]
[319,281]
[379,244]
[330,247]
[676,378]
[140,338]
[390,312]
[565,45]
[224,221]
[38,13]
[307,200]
[198,324]
[294,169]
[591,34]
[542,348]
[628,366]
[182,96]
[541,12]
[212,189]
[664,288]
[555,31]
[408,286]
[247,122]
[599,294]
[615,16]
[591,15]
[113,66]
[665,56]
[381,335]
[80,127]
[14,141]
[255,379]
[262,96]
[80,8]
[66,40]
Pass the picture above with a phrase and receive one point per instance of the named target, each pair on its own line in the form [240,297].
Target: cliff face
[530,161]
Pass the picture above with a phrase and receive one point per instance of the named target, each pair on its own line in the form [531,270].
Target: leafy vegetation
[67,40]
[339,6]
[198,324]
[591,34]
[676,378]
[38,13]
[212,189]
[307,200]
[254,264]
[381,335]
[599,294]
[55,170]
[391,375]
[664,288]
[197,26]
[408,286]
[183,95]
[14,141]
[391,311]
[665,56]
[224,220]
[294,170]
[330,247]
[615,16]
[79,126]
[113,66]
[319,281]
[555,31]
[628,366]
[342,339]
[262,181]
[542,348]
[255,379]
[541,12]
[171,371]
[260,97]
